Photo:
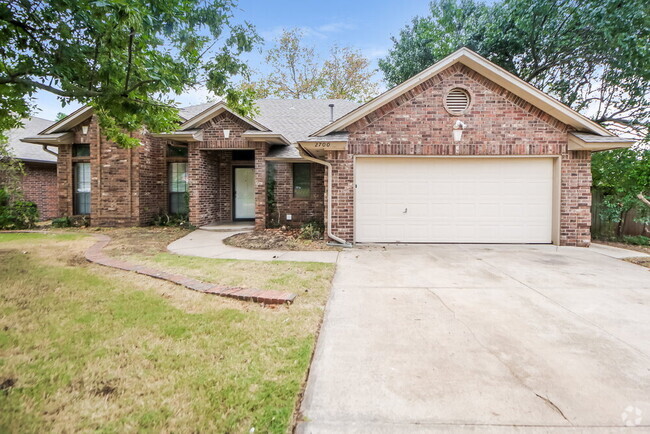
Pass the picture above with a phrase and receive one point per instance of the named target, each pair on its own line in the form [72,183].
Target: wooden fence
[601,227]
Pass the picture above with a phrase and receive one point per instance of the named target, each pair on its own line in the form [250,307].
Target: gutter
[307,156]
[50,152]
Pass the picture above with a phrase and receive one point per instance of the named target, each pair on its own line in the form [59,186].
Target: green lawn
[84,347]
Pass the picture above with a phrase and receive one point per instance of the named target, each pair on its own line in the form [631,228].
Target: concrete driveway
[482,338]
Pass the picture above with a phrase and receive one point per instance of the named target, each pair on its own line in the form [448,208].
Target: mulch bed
[275,239]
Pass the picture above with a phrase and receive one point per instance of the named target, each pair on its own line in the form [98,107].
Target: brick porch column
[261,149]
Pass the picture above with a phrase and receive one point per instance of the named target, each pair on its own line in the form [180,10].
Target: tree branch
[78,92]
[643,199]
[130,61]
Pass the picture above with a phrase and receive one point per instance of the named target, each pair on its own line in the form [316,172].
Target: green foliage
[11,170]
[71,222]
[298,73]
[637,240]
[16,214]
[62,222]
[312,230]
[165,219]
[451,25]
[592,55]
[621,175]
[121,57]
[271,201]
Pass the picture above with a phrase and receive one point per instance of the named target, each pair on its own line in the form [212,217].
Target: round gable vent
[457,100]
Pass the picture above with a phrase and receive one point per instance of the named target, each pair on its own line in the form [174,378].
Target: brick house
[462,152]
[39,183]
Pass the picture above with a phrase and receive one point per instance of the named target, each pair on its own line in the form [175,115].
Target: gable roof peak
[490,70]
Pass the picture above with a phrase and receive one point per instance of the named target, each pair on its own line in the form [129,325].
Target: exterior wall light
[84,129]
[226,134]
[459,126]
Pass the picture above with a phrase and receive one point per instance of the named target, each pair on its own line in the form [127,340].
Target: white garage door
[456,200]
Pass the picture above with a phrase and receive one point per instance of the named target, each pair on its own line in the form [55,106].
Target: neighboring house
[400,168]
[39,183]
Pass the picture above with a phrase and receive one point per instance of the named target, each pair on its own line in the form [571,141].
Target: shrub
[164,219]
[71,222]
[312,230]
[62,222]
[16,214]
[637,240]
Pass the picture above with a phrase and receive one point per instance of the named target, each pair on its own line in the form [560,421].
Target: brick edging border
[96,255]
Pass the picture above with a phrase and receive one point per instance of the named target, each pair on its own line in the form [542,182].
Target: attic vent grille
[457,100]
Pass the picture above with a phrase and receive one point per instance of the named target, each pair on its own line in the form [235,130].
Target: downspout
[307,156]
[49,152]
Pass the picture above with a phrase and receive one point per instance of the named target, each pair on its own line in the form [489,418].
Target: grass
[84,347]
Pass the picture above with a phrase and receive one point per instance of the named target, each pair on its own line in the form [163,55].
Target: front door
[244,193]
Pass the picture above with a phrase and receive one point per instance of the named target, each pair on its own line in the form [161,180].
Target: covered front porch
[227,186]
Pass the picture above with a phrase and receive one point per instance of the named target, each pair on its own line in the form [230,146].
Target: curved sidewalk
[209,244]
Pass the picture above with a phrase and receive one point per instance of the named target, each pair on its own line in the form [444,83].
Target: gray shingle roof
[295,119]
[29,151]
[284,151]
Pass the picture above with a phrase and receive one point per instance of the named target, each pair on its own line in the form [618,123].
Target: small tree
[347,75]
[298,73]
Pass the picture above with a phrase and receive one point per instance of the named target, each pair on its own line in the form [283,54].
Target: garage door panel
[454,200]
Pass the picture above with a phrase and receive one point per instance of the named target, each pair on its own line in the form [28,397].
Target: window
[176,151]
[81,181]
[81,150]
[302,181]
[178,188]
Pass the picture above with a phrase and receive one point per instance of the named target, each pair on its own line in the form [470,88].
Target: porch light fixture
[459,126]
[84,129]
[226,134]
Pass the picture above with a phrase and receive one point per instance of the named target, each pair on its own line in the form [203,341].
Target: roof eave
[266,136]
[577,144]
[182,136]
[70,121]
[50,139]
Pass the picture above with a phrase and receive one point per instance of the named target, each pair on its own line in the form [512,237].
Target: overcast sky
[362,24]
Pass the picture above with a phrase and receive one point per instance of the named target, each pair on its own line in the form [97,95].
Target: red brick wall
[117,181]
[39,185]
[210,172]
[302,210]
[153,183]
[203,185]
[498,123]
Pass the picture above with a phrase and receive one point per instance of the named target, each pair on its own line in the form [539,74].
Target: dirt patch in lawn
[275,239]
[644,262]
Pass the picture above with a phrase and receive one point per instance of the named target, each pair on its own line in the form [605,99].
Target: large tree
[593,55]
[298,73]
[121,57]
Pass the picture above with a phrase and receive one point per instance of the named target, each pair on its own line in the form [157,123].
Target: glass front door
[244,193]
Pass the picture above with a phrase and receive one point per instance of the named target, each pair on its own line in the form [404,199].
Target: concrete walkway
[209,244]
[478,338]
